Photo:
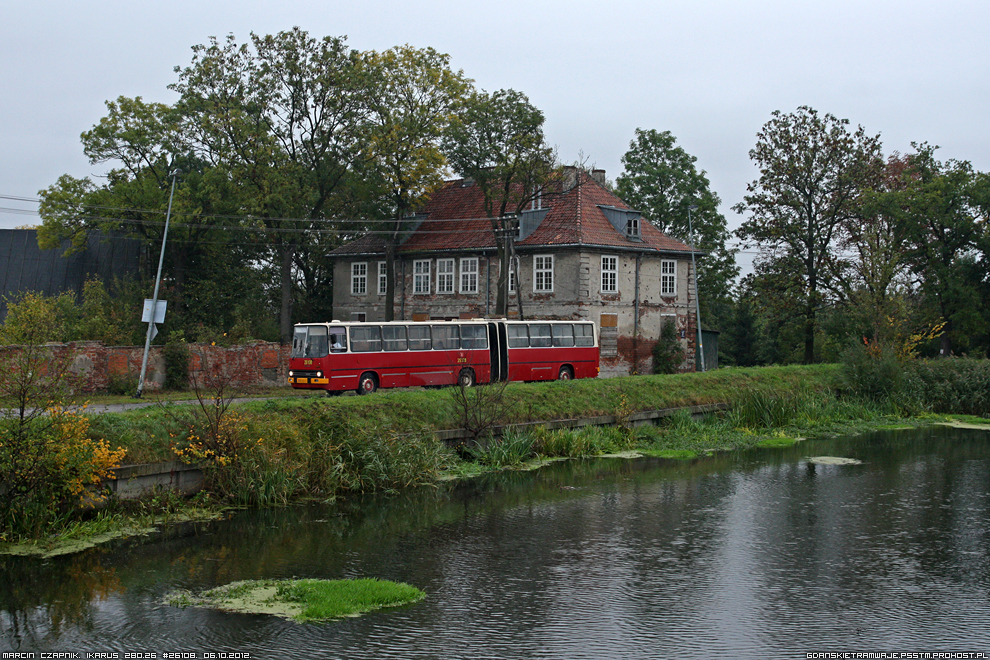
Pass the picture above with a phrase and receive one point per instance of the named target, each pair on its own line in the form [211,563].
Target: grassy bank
[274,451]
[262,453]
[150,434]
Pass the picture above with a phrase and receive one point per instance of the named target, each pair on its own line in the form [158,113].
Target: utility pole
[154,297]
[697,301]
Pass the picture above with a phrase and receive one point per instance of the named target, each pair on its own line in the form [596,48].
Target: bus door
[498,351]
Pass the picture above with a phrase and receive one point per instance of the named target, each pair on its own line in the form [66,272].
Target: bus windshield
[310,341]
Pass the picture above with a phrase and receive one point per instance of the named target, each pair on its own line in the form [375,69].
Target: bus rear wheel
[466,378]
[565,373]
[367,384]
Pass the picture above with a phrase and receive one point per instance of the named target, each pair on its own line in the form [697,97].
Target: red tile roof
[456,221]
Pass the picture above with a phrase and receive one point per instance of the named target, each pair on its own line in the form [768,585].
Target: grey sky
[709,71]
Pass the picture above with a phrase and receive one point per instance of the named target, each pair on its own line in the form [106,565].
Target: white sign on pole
[159,311]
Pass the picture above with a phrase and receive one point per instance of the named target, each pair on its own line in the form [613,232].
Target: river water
[756,554]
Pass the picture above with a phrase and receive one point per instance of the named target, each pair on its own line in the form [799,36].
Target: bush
[177,356]
[873,371]
[668,354]
[954,385]
[48,459]
[121,384]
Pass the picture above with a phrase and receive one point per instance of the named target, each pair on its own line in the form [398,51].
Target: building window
[610,274]
[469,275]
[382,278]
[632,228]
[513,267]
[359,278]
[668,277]
[421,277]
[543,273]
[445,275]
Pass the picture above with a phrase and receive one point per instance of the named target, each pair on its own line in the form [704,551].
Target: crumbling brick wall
[256,364]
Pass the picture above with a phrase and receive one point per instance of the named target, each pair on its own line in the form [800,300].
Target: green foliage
[660,180]
[874,372]
[121,384]
[954,385]
[764,409]
[48,456]
[33,318]
[668,353]
[507,450]
[177,357]
[812,170]
[330,599]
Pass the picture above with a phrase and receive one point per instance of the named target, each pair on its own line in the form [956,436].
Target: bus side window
[539,334]
[518,336]
[584,334]
[419,338]
[338,340]
[366,338]
[394,337]
[563,334]
[474,336]
[446,337]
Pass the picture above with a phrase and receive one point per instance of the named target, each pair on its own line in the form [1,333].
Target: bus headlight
[319,374]
[291,374]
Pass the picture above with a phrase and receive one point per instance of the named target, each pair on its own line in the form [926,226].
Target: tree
[812,171]
[668,354]
[281,118]
[872,269]
[497,141]
[143,143]
[661,181]
[411,95]
[944,205]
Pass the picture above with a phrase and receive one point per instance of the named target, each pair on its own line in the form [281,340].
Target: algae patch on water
[967,422]
[303,600]
[833,460]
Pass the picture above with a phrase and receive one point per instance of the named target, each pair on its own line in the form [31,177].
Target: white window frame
[445,275]
[382,278]
[542,271]
[469,275]
[359,278]
[632,228]
[513,264]
[668,278]
[610,273]
[421,278]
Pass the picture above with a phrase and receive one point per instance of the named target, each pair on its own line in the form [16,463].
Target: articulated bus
[338,357]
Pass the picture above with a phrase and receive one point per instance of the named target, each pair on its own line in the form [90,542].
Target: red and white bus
[338,357]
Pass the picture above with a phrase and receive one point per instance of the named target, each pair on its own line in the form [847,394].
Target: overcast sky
[709,71]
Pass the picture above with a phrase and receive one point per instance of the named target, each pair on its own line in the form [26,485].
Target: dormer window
[626,221]
[537,202]
[632,227]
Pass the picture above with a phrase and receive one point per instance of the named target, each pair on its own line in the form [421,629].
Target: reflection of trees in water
[40,597]
[648,537]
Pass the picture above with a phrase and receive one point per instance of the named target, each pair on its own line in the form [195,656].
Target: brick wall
[257,364]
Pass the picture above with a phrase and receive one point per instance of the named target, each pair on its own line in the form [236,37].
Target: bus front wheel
[565,373]
[367,384]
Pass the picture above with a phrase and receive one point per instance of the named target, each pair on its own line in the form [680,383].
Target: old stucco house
[583,254]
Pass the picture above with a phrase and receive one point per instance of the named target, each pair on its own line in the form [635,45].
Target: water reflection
[744,554]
